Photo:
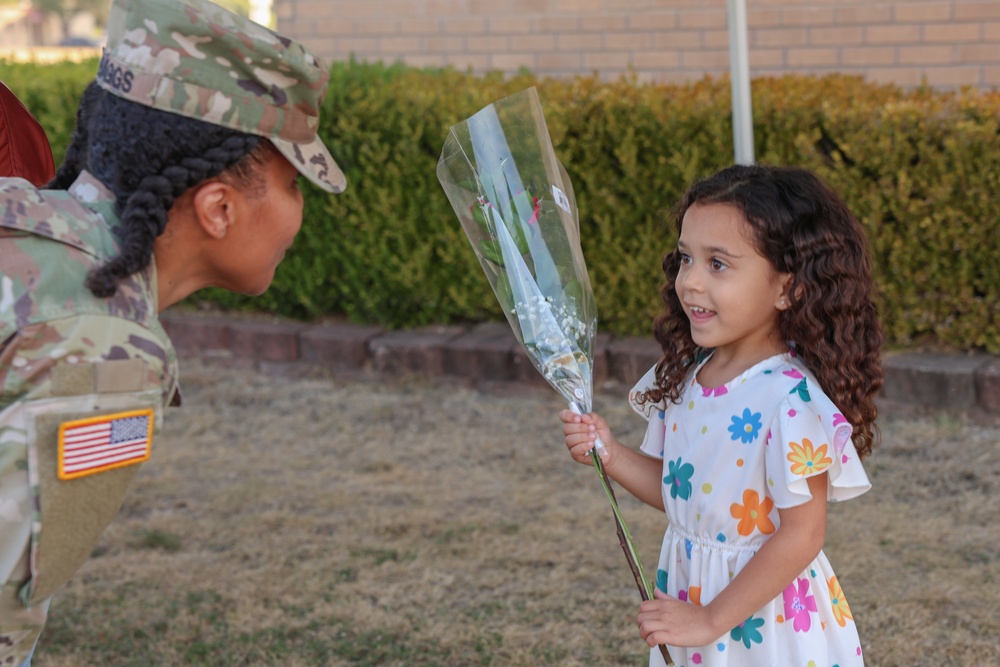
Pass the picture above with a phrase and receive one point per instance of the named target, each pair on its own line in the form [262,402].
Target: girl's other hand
[667,620]
[581,433]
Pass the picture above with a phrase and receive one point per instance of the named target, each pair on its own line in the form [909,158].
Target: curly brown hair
[804,229]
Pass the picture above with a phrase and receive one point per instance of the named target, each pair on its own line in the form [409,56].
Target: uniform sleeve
[652,443]
[808,437]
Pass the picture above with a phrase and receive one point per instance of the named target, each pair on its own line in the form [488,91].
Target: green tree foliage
[66,9]
[241,7]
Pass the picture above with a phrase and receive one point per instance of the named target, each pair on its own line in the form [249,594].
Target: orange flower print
[806,460]
[841,611]
[753,514]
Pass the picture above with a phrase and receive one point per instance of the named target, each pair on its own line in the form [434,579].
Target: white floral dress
[732,456]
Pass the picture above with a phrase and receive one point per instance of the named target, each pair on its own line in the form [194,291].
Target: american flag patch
[96,444]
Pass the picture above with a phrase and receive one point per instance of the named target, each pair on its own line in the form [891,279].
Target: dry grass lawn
[336,522]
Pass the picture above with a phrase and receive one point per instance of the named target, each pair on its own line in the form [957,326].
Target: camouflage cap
[196,59]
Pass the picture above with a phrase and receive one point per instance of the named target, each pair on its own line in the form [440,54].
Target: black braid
[148,158]
[73,164]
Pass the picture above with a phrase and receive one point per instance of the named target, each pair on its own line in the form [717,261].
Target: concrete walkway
[487,354]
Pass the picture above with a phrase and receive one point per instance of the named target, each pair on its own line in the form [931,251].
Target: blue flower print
[679,479]
[748,632]
[747,427]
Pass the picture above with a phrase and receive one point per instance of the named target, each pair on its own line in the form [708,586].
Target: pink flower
[798,604]
[839,419]
[792,373]
[534,213]
[537,206]
[715,391]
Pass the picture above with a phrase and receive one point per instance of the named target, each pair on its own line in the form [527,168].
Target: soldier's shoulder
[52,214]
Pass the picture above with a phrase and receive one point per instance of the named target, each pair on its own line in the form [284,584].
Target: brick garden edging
[488,353]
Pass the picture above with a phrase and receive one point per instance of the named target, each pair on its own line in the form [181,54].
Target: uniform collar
[97,197]
[88,190]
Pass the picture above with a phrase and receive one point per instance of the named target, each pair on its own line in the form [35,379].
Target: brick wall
[945,42]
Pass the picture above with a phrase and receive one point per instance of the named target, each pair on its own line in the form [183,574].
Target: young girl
[761,410]
[183,173]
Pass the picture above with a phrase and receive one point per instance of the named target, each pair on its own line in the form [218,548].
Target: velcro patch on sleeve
[93,445]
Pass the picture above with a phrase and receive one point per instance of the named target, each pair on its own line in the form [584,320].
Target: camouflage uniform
[66,354]
[71,362]
[193,58]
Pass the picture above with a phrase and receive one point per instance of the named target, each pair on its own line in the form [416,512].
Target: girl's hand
[667,620]
[581,433]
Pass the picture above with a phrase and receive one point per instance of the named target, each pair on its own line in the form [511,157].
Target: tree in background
[66,9]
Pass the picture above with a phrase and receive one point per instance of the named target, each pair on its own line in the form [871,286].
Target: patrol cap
[196,59]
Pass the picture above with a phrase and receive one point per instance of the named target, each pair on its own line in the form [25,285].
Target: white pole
[739,73]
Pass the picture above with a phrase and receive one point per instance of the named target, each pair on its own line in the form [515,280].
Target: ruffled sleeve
[652,443]
[809,436]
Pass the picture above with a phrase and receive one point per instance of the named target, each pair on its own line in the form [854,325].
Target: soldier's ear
[214,208]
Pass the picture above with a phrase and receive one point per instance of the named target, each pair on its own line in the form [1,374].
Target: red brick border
[488,353]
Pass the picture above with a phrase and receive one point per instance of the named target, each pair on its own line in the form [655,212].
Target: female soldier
[182,174]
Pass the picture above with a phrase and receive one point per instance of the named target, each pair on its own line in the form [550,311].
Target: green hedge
[920,168]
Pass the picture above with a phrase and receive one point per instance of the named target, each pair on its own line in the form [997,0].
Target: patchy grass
[327,522]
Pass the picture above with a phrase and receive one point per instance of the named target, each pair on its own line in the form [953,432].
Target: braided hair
[74,161]
[805,229]
[148,158]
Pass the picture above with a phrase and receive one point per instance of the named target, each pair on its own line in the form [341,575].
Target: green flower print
[679,479]
[748,632]
[802,389]
[661,580]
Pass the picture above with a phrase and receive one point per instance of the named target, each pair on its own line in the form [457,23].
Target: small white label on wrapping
[561,200]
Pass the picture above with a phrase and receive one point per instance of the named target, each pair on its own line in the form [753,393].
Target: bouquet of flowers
[516,205]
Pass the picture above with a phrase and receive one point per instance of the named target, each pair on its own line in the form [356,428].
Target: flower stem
[626,541]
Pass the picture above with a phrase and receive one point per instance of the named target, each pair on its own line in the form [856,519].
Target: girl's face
[730,293]
[271,216]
